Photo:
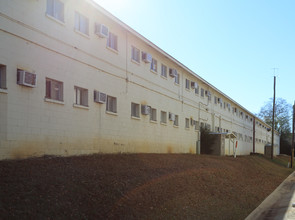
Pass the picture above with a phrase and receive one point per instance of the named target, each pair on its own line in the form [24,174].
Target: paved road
[278,205]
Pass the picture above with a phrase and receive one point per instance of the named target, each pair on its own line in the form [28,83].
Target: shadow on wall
[206,141]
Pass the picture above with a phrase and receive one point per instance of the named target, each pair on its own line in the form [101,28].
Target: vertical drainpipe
[254,134]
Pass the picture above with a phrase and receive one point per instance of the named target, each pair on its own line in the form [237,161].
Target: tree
[282,115]
[281,121]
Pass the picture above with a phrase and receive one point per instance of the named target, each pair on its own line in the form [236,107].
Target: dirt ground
[136,186]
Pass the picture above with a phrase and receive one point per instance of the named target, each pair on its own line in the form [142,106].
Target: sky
[236,45]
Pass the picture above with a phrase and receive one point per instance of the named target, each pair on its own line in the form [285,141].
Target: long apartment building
[74,79]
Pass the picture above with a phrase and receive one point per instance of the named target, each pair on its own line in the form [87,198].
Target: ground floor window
[2,77]
[153,114]
[135,110]
[111,104]
[54,89]
[163,117]
[81,96]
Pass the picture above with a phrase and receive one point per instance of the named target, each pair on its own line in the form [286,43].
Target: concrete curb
[278,205]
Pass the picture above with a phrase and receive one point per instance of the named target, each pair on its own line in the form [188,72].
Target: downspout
[254,134]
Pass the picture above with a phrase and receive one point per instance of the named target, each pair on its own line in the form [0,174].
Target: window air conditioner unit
[26,78]
[146,57]
[102,30]
[171,116]
[100,97]
[172,72]
[207,93]
[145,110]
[194,85]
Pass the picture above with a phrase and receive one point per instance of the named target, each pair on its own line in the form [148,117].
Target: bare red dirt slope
[136,186]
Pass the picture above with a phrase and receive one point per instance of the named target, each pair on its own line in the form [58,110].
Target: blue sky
[233,44]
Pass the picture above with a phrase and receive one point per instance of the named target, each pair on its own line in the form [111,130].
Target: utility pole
[273,116]
[292,148]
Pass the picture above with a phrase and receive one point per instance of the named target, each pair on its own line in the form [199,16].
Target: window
[163,117]
[175,123]
[153,114]
[164,71]
[186,122]
[197,90]
[176,78]
[215,99]
[81,96]
[202,92]
[135,54]
[55,8]
[197,125]
[112,41]
[154,66]
[2,77]
[187,82]
[208,127]
[134,110]
[202,125]
[54,90]
[111,104]
[81,23]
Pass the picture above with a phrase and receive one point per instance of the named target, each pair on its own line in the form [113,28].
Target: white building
[76,80]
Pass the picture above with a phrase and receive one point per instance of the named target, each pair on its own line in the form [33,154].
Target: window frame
[49,91]
[3,77]
[135,110]
[163,117]
[187,84]
[187,122]
[53,10]
[81,96]
[202,92]
[111,104]
[112,41]
[176,79]
[154,65]
[163,70]
[153,115]
[79,25]
[176,121]
[135,51]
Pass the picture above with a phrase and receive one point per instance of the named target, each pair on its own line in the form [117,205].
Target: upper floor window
[197,90]
[187,83]
[2,77]
[154,66]
[135,54]
[55,8]
[202,92]
[54,90]
[164,70]
[176,79]
[81,23]
[81,96]
[112,41]
[111,104]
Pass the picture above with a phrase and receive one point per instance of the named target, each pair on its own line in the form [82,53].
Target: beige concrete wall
[32,125]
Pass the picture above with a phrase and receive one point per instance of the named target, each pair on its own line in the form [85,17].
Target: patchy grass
[136,186]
